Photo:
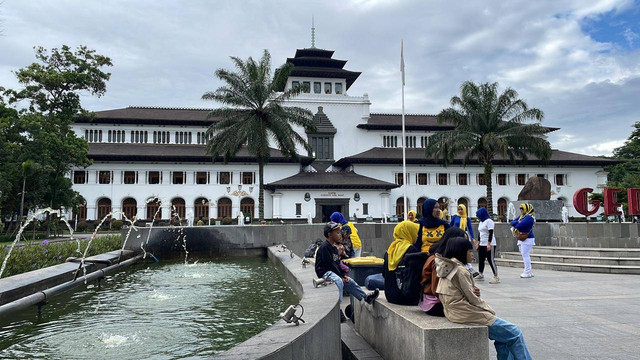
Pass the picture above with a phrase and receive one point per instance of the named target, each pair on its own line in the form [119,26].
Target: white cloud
[165,53]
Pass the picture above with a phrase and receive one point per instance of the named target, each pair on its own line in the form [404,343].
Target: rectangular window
[154,177]
[522,179]
[502,179]
[104,177]
[130,177]
[201,178]
[338,88]
[247,178]
[295,83]
[178,177]
[560,179]
[307,87]
[462,179]
[224,177]
[298,209]
[423,179]
[365,209]
[544,176]
[482,180]
[399,179]
[321,147]
[317,87]
[443,179]
[327,88]
[79,177]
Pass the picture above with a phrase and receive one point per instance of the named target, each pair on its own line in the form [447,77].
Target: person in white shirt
[487,245]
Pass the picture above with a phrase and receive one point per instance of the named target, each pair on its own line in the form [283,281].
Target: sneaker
[526,276]
[342,317]
[371,296]
[480,277]
[495,280]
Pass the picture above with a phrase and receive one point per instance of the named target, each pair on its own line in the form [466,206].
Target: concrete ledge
[18,286]
[406,333]
[318,338]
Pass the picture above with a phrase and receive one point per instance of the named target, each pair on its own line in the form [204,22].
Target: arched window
[154,212]
[465,202]
[482,202]
[201,209]
[129,208]
[400,207]
[224,208]
[104,208]
[502,209]
[247,206]
[177,208]
[419,204]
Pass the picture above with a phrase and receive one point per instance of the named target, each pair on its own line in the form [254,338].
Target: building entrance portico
[326,207]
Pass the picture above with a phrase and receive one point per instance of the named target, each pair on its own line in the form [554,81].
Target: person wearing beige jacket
[462,303]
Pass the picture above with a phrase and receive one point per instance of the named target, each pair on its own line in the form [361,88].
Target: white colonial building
[149,160]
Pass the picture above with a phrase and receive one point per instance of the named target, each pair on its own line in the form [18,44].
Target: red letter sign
[611,204]
[633,198]
[581,202]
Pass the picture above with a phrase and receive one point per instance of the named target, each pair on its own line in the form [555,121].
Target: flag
[402,59]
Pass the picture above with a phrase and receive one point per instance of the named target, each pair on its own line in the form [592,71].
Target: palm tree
[488,124]
[253,115]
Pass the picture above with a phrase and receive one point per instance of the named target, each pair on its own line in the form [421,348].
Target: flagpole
[404,151]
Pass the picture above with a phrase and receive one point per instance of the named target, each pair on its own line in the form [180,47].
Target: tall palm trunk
[488,170]
[261,190]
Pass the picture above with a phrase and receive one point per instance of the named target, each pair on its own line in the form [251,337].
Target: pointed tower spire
[313,33]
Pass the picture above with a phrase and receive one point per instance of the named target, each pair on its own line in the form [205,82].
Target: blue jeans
[351,287]
[509,341]
[375,281]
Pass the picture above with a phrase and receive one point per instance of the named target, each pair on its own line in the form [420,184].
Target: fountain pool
[162,311]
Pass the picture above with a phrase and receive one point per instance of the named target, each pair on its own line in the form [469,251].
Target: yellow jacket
[355,239]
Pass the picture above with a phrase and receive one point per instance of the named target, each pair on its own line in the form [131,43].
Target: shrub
[212,221]
[227,221]
[82,226]
[116,224]
[36,255]
[200,223]
[175,222]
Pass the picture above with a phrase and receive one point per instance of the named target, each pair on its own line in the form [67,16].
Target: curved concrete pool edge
[318,338]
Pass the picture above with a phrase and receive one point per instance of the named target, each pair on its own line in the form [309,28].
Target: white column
[166,210]
[385,204]
[276,205]
[213,209]
[166,177]
[92,212]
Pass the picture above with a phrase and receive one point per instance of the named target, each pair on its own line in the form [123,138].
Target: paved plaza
[566,315]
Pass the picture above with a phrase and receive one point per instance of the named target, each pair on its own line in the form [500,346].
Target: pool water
[153,311]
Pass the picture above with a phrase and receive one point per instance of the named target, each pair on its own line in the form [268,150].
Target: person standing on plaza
[355,239]
[411,216]
[487,246]
[523,230]
[432,227]
[328,266]
[461,221]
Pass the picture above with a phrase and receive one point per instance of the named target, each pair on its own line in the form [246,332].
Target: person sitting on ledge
[462,303]
[404,242]
[328,267]
[355,239]
[430,303]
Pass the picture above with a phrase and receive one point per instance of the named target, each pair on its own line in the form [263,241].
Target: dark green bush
[227,221]
[200,223]
[82,226]
[116,224]
[35,256]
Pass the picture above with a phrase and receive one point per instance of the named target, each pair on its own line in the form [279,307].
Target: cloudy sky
[577,60]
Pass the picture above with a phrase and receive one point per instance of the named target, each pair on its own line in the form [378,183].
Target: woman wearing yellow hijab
[404,238]
[411,216]
[461,221]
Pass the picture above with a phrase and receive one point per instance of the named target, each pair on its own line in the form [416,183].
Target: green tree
[627,173]
[253,113]
[487,125]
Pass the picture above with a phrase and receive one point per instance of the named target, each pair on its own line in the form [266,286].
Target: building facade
[151,163]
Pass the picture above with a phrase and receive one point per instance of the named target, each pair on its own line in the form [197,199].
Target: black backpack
[409,273]
[311,250]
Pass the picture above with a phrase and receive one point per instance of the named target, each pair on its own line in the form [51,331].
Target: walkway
[566,315]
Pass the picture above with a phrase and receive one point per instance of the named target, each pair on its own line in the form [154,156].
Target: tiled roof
[379,155]
[320,64]
[323,124]
[151,115]
[174,153]
[424,122]
[330,180]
